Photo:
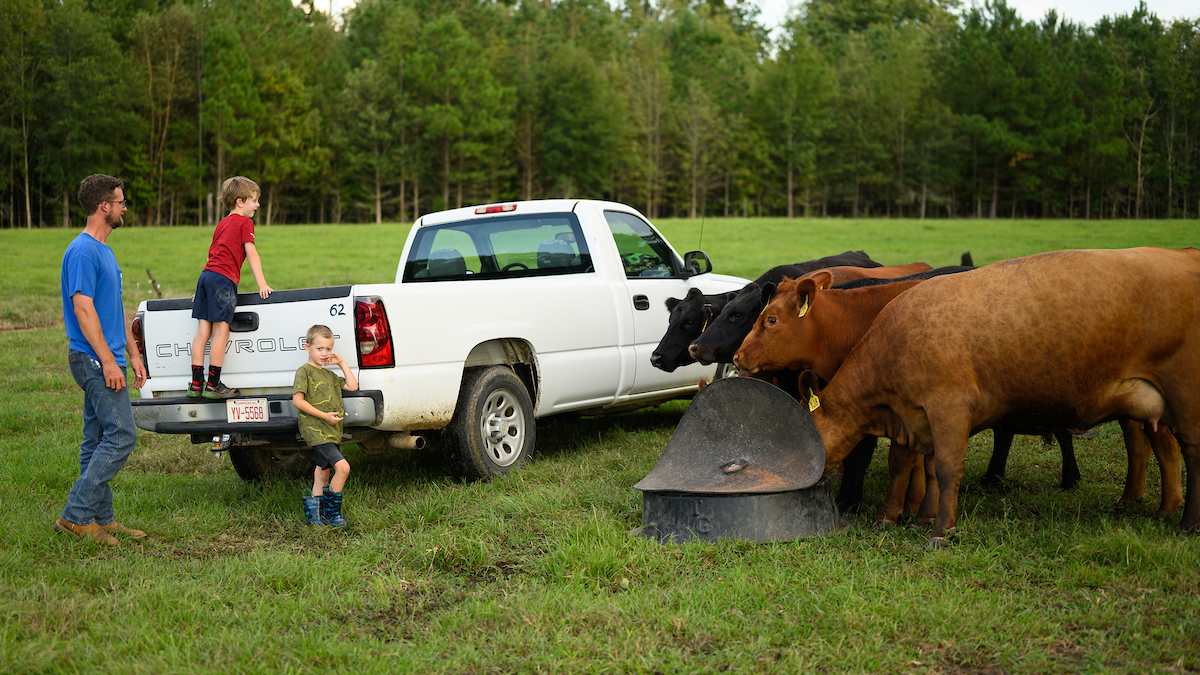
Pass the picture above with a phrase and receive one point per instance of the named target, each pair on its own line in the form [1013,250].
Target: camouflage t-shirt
[323,390]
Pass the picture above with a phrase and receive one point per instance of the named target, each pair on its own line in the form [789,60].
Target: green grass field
[535,573]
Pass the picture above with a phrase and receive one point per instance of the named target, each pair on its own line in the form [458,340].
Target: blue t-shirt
[90,267]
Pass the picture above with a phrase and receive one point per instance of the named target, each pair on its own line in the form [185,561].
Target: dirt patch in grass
[405,615]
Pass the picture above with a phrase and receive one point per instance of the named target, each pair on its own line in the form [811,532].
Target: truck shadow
[558,437]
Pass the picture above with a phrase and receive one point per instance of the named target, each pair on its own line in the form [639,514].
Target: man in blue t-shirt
[99,336]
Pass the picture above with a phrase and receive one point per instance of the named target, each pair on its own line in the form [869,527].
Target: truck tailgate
[266,339]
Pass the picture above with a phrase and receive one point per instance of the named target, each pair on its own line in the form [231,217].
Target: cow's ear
[823,279]
[694,293]
[809,380]
[808,383]
[768,292]
[806,290]
[671,304]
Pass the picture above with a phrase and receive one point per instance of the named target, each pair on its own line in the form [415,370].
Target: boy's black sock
[198,374]
[214,375]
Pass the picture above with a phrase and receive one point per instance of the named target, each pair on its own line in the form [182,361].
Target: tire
[725,370]
[253,462]
[492,432]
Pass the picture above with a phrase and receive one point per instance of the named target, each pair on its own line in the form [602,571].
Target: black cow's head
[720,341]
[688,319]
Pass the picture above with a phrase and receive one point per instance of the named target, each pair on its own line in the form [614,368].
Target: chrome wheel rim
[502,427]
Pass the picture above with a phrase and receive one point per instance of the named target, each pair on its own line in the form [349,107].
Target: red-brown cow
[810,327]
[1062,339]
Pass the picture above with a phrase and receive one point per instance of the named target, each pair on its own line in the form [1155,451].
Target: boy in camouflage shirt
[317,395]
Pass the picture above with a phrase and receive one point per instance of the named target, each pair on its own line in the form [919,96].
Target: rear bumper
[182,415]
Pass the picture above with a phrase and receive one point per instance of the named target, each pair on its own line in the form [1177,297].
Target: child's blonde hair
[318,331]
[238,187]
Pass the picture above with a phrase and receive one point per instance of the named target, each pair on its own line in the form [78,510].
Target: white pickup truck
[499,315]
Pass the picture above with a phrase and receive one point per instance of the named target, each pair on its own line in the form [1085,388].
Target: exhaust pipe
[406,441]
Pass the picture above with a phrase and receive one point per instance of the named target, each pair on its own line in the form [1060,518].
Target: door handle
[244,322]
[641,302]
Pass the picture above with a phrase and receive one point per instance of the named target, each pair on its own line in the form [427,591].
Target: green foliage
[680,107]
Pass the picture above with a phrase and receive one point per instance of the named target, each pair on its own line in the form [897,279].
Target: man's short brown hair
[238,187]
[95,189]
[318,331]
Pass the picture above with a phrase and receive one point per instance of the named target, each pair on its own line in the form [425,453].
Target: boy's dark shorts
[216,298]
[327,455]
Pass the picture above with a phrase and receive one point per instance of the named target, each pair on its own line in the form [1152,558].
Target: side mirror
[696,262]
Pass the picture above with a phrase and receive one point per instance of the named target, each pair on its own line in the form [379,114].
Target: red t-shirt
[228,250]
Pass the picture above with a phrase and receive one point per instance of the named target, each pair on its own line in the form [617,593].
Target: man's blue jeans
[109,435]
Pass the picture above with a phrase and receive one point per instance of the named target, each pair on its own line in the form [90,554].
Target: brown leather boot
[116,528]
[89,531]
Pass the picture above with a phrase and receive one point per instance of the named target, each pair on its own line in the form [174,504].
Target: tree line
[858,108]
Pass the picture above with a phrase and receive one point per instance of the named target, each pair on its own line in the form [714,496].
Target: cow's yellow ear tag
[804,307]
[813,401]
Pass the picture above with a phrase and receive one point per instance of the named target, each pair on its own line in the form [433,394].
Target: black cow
[688,318]
[673,350]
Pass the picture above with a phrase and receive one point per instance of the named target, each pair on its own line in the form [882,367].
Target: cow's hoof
[935,543]
[883,523]
[916,524]
[1129,507]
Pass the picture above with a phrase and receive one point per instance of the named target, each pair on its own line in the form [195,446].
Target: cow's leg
[901,460]
[1002,443]
[929,506]
[950,448]
[1070,469]
[1137,448]
[854,470]
[917,488]
[1189,445]
[1166,449]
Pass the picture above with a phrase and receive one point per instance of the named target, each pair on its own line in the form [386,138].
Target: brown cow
[855,466]
[834,320]
[724,334]
[1062,339]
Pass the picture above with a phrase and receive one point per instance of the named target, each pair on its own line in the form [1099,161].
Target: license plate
[246,410]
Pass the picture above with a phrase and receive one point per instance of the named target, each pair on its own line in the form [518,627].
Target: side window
[643,252]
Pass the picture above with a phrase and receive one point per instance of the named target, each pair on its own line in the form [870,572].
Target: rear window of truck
[504,247]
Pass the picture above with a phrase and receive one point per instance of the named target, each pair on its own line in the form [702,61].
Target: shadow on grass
[558,437]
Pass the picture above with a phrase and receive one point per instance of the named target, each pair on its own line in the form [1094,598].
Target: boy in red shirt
[216,291]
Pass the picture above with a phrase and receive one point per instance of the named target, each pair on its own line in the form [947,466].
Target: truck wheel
[493,429]
[725,370]
[253,462]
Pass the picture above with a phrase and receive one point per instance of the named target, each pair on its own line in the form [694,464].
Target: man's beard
[115,220]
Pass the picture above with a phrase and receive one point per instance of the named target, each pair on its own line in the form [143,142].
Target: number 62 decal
[337,310]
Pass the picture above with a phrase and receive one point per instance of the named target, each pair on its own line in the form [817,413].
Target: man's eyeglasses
[122,202]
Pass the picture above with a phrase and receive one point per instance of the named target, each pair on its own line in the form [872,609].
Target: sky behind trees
[1080,11]
[909,108]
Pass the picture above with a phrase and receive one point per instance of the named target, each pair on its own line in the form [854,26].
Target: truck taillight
[372,334]
[138,328]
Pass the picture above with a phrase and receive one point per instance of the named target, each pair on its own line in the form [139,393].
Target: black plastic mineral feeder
[745,463]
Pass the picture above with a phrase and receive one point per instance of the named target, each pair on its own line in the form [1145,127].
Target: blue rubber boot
[331,509]
[312,509]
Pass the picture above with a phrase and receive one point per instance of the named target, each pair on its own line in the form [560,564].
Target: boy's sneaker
[219,391]
[194,389]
